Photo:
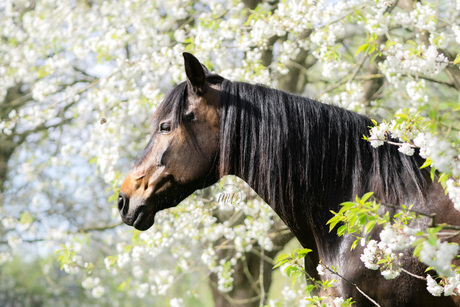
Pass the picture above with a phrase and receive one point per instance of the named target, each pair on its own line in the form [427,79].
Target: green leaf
[366,196]
[372,48]
[26,218]
[374,122]
[334,221]
[427,163]
[457,59]
[402,116]
[123,284]
[346,206]
[381,261]
[363,218]
[352,220]
[390,43]
[432,173]
[443,179]
[309,288]
[282,257]
[418,247]
[341,230]
[433,241]
[370,226]
[374,57]
[362,48]
[433,230]
[304,252]
[355,243]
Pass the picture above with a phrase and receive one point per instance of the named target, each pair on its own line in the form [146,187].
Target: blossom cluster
[92,72]
[384,256]
[450,285]
[400,61]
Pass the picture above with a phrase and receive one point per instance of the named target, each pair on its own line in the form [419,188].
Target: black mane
[289,148]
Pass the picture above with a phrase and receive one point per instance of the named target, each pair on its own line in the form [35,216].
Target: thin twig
[358,67]
[344,80]
[261,278]
[343,17]
[392,143]
[412,274]
[432,216]
[249,276]
[350,282]
[99,228]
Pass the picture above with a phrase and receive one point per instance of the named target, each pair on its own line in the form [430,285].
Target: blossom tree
[80,79]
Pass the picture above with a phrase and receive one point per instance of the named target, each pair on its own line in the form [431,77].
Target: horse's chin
[144,221]
[145,215]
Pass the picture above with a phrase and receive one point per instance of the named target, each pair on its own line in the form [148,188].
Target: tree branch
[351,283]
[261,278]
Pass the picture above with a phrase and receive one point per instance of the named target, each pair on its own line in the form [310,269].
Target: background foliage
[79,80]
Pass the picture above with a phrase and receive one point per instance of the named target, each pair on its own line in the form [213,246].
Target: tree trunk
[294,81]
[13,100]
[248,291]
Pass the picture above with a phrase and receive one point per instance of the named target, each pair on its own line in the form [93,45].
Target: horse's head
[182,154]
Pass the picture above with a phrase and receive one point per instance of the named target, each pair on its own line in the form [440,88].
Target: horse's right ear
[196,73]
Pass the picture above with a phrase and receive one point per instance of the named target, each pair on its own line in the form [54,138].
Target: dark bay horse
[302,157]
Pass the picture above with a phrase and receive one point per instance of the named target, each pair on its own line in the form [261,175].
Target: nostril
[123,202]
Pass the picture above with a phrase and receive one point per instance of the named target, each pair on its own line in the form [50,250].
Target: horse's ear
[196,73]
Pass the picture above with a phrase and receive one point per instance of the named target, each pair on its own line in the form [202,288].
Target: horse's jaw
[139,212]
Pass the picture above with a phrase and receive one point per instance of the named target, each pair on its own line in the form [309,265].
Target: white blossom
[390,274]
[98,291]
[320,269]
[5,258]
[90,282]
[406,149]
[142,290]
[453,190]
[440,256]
[176,302]
[378,135]
[338,301]
[134,64]
[433,287]
[369,256]
[71,269]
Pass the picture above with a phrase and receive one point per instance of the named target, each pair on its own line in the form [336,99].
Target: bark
[294,81]
[251,4]
[372,87]
[14,98]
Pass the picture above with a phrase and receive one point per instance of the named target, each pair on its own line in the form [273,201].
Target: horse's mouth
[143,221]
[140,217]
[144,216]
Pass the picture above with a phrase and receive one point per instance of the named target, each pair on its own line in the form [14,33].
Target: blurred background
[79,82]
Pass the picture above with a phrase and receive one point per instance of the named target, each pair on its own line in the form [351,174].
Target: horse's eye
[165,127]
[189,116]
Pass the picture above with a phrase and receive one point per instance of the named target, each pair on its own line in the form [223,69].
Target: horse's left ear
[196,73]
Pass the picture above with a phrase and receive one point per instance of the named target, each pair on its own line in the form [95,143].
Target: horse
[303,157]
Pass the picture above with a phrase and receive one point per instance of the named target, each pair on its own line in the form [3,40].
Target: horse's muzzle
[136,214]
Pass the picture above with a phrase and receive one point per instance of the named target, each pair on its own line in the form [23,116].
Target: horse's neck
[305,158]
